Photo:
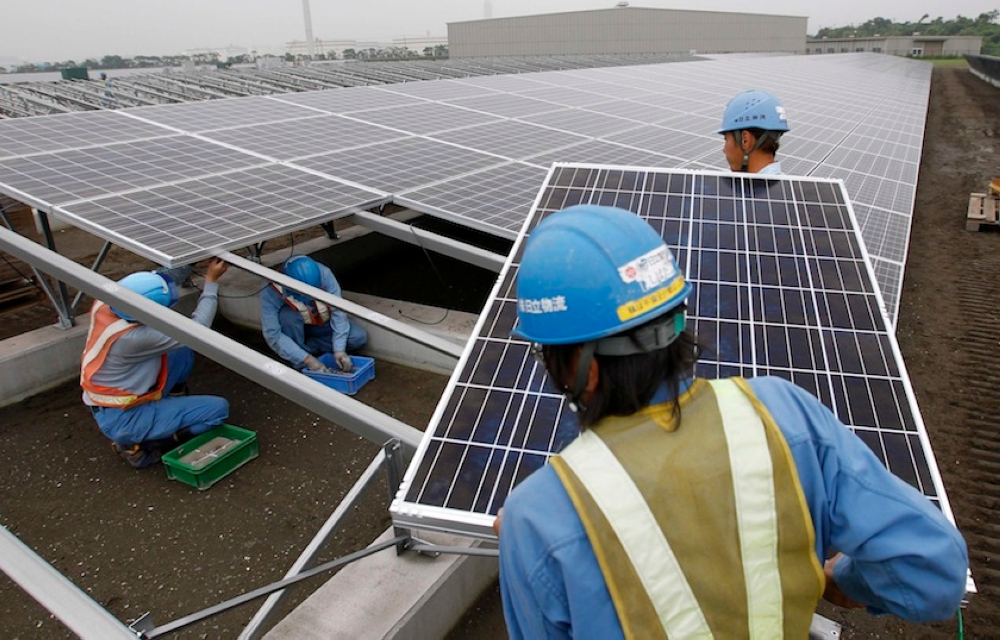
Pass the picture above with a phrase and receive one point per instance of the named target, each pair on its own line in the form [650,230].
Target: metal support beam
[307,559]
[97,266]
[177,625]
[60,302]
[399,328]
[432,241]
[55,592]
[310,394]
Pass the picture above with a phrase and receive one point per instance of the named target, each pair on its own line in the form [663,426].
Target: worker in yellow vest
[692,508]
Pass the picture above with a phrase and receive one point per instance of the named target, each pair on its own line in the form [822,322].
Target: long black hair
[626,384]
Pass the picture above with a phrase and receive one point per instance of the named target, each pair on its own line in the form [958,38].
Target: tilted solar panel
[782,286]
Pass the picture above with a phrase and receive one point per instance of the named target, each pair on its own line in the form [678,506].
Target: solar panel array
[782,286]
[856,117]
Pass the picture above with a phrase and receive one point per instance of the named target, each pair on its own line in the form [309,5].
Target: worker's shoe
[182,436]
[137,455]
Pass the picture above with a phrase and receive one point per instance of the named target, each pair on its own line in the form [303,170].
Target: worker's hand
[315,365]
[496,522]
[216,267]
[833,594]
[343,361]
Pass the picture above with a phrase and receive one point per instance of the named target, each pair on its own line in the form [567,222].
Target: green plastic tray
[194,464]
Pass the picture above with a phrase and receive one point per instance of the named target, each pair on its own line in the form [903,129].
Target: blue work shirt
[271,303]
[902,555]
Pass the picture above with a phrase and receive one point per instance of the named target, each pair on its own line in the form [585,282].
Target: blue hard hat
[304,269]
[754,110]
[589,272]
[151,285]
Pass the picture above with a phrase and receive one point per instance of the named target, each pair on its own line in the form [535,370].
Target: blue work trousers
[163,418]
[317,339]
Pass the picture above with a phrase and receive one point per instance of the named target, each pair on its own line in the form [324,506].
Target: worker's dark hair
[626,384]
[771,142]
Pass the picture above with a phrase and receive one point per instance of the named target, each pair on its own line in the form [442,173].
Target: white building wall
[627,30]
[898,45]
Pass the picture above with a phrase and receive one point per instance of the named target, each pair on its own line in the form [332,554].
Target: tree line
[985,25]
[156,62]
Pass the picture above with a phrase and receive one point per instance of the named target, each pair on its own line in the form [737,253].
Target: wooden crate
[983,210]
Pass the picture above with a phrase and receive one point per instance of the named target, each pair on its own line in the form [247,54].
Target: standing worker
[298,328]
[134,377]
[752,126]
[690,508]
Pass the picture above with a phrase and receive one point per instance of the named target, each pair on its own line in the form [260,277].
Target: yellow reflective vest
[699,525]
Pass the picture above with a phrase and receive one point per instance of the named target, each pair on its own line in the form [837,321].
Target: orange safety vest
[105,328]
[321,315]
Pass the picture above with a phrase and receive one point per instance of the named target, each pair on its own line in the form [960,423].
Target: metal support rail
[428,340]
[428,240]
[74,608]
[310,394]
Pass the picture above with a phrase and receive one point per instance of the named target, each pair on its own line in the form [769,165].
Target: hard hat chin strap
[582,373]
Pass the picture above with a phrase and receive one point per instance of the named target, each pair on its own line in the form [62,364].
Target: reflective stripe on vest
[710,509]
[105,328]
[321,316]
[653,559]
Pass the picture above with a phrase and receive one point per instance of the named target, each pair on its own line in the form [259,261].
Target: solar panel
[496,197]
[510,138]
[187,221]
[96,171]
[25,136]
[782,286]
[194,117]
[305,137]
[858,118]
[424,118]
[357,99]
[400,165]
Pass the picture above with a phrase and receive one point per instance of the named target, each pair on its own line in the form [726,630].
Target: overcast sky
[58,30]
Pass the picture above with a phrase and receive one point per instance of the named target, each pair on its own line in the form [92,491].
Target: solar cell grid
[505,105]
[184,222]
[671,142]
[602,152]
[442,89]
[305,137]
[498,198]
[782,287]
[25,136]
[348,99]
[511,139]
[424,118]
[586,123]
[97,171]
[194,117]
[401,165]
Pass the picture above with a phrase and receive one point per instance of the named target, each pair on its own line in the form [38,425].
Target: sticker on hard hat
[635,308]
[542,305]
[649,270]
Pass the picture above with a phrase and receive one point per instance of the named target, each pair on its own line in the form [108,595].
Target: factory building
[626,30]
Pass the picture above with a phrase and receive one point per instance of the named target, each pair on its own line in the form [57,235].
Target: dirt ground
[137,542]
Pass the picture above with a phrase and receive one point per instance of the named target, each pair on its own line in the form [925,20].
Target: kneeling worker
[298,328]
[134,377]
[692,508]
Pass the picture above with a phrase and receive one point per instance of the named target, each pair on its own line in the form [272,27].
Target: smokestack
[487,9]
[309,29]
